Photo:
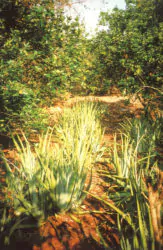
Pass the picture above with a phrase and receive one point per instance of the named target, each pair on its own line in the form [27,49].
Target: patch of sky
[88,12]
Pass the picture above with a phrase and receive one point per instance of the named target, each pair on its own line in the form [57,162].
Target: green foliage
[129,53]
[19,108]
[129,193]
[50,177]
[80,130]
[134,163]
[146,131]
[43,54]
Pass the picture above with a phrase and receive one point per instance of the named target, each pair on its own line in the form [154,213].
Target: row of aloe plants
[135,170]
[49,177]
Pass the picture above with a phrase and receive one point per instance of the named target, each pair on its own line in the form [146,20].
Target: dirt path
[87,229]
[117,109]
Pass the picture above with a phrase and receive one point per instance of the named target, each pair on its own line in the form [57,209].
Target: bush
[43,54]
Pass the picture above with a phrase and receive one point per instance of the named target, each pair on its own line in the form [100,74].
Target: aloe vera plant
[79,131]
[80,134]
[132,165]
[143,132]
[50,177]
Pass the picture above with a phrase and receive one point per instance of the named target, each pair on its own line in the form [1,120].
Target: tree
[43,53]
[130,51]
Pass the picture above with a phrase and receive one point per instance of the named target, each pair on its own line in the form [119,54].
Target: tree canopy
[45,53]
[130,52]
